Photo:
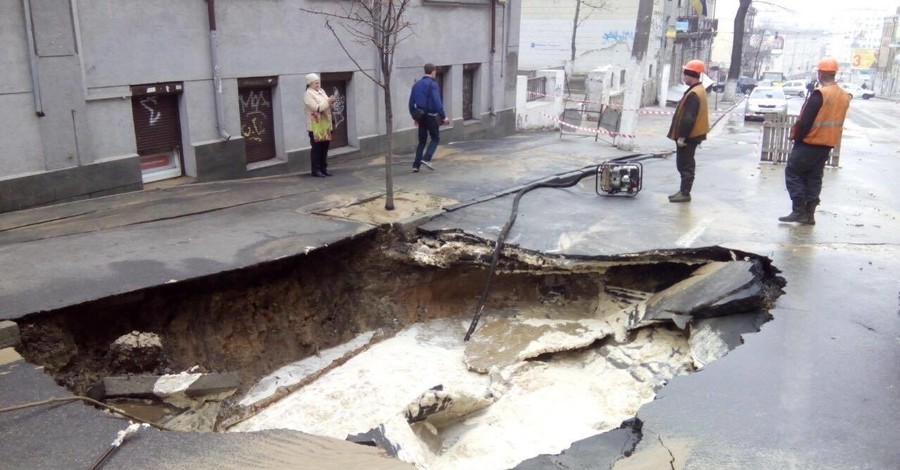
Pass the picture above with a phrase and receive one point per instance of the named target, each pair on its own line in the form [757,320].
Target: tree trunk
[737,47]
[575,30]
[389,157]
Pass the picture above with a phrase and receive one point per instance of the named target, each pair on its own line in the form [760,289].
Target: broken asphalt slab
[600,451]
[715,289]
[74,435]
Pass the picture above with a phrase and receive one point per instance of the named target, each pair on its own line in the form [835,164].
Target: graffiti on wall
[149,104]
[337,111]
[253,116]
[618,36]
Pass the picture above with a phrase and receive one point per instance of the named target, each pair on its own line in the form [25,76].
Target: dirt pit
[642,317]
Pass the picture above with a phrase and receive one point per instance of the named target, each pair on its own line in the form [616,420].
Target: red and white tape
[592,130]
[620,107]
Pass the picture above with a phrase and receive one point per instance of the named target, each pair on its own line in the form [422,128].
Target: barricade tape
[620,107]
[592,130]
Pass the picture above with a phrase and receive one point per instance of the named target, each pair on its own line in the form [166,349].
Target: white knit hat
[311,78]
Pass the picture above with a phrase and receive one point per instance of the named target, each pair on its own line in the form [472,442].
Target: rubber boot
[798,211]
[810,218]
[680,197]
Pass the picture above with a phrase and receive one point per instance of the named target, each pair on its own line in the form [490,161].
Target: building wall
[100,48]
[604,37]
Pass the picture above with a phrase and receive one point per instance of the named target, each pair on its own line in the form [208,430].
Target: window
[469,71]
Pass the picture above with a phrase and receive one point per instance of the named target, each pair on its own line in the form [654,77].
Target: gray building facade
[102,96]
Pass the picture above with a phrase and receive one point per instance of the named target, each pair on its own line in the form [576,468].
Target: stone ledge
[9,334]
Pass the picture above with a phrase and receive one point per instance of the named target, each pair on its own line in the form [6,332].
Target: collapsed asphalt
[817,388]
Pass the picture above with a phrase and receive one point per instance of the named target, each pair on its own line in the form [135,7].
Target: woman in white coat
[318,123]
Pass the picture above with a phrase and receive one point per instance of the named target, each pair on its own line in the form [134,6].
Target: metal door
[257,118]
[335,84]
[157,129]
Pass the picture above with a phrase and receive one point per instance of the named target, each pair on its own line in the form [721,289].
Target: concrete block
[9,334]
[213,384]
[142,386]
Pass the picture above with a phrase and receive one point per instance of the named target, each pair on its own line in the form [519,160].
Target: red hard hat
[695,66]
[828,64]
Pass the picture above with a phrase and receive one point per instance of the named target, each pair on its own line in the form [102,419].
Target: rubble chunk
[136,352]
[439,407]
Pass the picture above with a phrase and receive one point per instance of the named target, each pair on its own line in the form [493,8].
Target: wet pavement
[817,388]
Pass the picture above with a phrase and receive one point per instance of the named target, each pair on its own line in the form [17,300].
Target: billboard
[862,59]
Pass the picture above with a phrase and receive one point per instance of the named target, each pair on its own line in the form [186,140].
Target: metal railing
[537,88]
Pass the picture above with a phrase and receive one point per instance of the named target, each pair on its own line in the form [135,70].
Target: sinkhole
[363,340]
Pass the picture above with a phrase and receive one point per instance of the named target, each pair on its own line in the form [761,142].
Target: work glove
[680,142]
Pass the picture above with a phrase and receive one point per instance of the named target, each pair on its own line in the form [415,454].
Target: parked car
[794,87]
[746,84]
[764,100]
[854,90]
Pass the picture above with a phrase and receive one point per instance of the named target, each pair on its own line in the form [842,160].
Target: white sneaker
[428,164]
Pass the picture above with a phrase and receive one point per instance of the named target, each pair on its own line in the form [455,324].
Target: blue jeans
[428,126]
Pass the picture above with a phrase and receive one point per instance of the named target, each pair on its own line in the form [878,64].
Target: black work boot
[798,212]
[810,218]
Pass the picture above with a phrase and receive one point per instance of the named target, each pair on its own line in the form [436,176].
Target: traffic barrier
[776,143]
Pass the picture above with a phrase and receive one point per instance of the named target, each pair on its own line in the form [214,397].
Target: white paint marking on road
[688,239]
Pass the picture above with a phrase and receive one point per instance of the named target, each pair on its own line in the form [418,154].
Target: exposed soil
[255,320]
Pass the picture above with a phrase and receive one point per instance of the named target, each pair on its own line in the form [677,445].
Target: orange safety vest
[701,124]
[829,124]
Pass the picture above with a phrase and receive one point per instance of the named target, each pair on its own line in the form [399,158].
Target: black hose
[560,181]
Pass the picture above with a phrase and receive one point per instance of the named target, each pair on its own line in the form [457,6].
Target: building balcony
[695,27]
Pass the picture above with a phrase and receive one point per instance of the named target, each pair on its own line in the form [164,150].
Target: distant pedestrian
[817,130]
[318,123]
[689,128]
[427,111]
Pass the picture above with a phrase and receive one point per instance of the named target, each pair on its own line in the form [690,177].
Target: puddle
[363,340]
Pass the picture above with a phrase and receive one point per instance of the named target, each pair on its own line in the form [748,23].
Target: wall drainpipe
[32,60]
[216,69]
[493,51]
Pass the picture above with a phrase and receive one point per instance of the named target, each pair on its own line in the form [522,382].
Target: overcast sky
[801,11]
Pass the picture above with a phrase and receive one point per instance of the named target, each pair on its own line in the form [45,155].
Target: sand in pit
[406,205]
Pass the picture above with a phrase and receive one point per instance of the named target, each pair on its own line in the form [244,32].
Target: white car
[794,87]
[765,100]
[854,90]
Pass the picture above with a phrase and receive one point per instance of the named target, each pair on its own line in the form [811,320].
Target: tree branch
[349,55]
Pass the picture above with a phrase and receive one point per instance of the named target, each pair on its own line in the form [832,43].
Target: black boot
[810,218]
[798,211]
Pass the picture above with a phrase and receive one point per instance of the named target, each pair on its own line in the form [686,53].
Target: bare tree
[382,24]
[590,6]
[737,46]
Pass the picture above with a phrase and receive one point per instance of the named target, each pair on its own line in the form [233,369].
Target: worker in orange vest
[689,127]
[817,130]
